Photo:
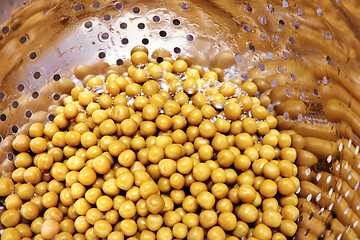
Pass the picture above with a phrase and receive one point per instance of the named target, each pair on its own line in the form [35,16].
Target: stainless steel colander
[304,55]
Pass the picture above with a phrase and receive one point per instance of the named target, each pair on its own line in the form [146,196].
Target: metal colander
[304,56]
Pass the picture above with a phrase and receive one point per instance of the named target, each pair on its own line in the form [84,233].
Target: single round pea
[21,143]
[191,220]
[6,186]
[247,213]
[227,221]
[25,191]
[286,186]
[271,170]
[154,222]
[196,233]
[116,235]
[164,233]
[225,158]
[232,111]
[205,199]
[246,193]
[261,231]
[155,203]
[268,188]
[102,228]
[24,230]
[288,228]
[139,57]
[171,218]
[167,167]
[207,129]
[271,218]
[13,201]
[189,204]
[180,66]
[10,218]
[290,212]
[216,232]
[104,203]
[177,196]
[180,230]
[208,218]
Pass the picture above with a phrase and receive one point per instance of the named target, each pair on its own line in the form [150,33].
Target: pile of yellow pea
[164,151]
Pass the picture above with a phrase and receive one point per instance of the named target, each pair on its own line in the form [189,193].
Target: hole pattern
[124,41]
[328,59]
[118,6]
[123,25]
[28,114]
[296,25]
[78,7]
[286,55]
[33,55]
[176,22]
[156,19]
[15,104]
[3,117]
[101,55]
[104,36]
[23,39]
[15,129]
[280,69]
[291,40]
[159,59]
[96,4]
[5,30]
[247,28]
[316,93]
[141,25]
[261,67]
[319,12]
[177,50]
[56,96]
[262,20]
[136,10]
[327,35]
[56,77]
[281,23]
[271,8]
[88,24]
[162,33]
[145,41]
[293,77]
[299,11]
[107,17]
[10,156]
[37,75]
[263,37]
[285,4]
[35,94]
[185,6]
[251,48]
[277,38]
[248,8]
[51,117]
[20,87]
[190,37]
[2,95]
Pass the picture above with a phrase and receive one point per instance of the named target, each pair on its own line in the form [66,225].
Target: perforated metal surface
[303,54]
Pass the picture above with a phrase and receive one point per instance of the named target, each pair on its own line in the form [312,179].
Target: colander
[304,56]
